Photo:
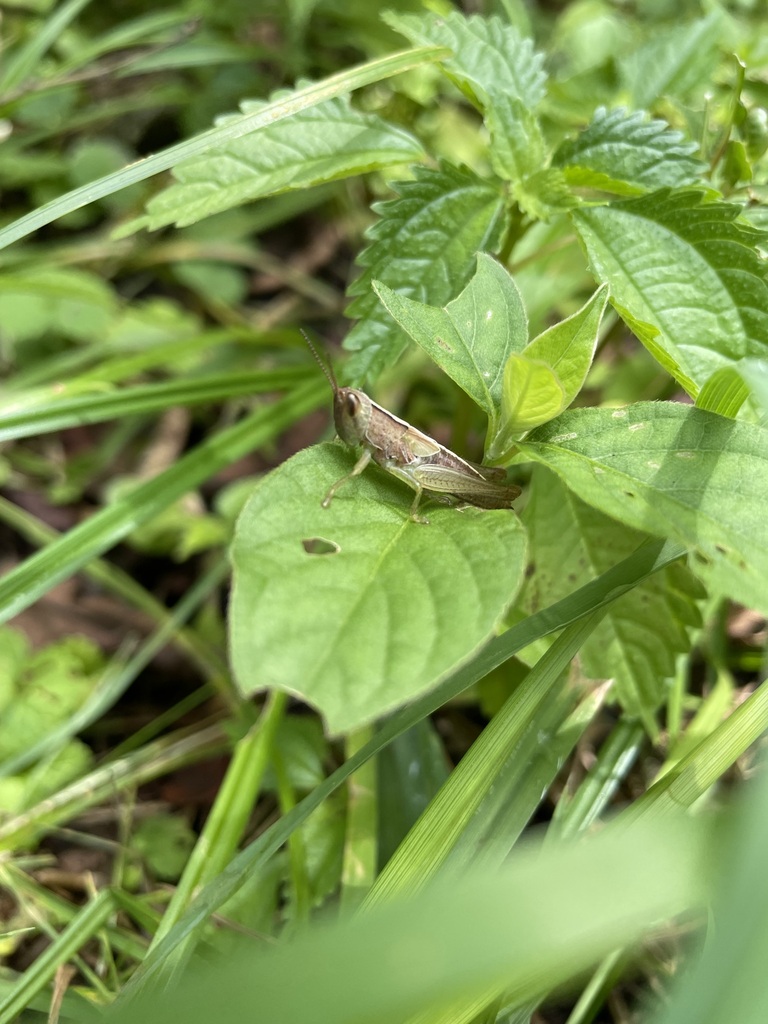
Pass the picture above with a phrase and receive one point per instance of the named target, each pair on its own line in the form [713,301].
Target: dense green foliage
[540,237]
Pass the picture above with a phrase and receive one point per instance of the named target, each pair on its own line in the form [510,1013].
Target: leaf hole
[320,546]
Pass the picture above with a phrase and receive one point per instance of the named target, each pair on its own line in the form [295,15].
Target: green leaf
[499,71]
[543,381]
[472,337]
[644,631]
[724,392]
[328,141]
[381,617]
[489,55]
[423,246]
[674,471]
[687,267]
[673,63]
[626,153]
[72,303]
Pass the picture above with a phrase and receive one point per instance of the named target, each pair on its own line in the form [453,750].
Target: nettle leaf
[686,267]
[356,608]
[471,337]
[673,63]
[674,471]
[490,55]
[322,143]
[544,379]
[643,631]
[499,71]
[628,154]
[423,246]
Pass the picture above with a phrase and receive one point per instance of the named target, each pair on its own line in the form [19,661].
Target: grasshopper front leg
[360,465]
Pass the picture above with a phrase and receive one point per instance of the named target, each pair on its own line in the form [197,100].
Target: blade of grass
[25,59]
[82,928]
[159,758]
[431,840]
[224,826]
[301,99]
[53,409]
[24,585]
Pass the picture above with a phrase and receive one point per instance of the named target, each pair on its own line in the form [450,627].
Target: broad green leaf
[488,55]
[330,140]
[569,347]
[687,267]
[533,394]
[674,471]
[626,153]
[424,246]
[472,337]
[644,631]
[544,379]
[383,615]
[673,63]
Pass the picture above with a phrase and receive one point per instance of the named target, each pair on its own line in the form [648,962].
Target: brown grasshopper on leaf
[405,452]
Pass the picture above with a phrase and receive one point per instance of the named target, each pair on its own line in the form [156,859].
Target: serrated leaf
[394,606]
[471,337]
[643,631]
[628,154]
[687,267]
[503,76]
[673,471]
[543,381]
[489,54]
[322,143]
[673,63]
[519,155]
[424,246]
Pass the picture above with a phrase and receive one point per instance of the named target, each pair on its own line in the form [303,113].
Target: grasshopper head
[351,414]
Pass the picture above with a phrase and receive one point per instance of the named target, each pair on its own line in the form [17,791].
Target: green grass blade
[25,584]
[42,411]
[87,923]
[334,85]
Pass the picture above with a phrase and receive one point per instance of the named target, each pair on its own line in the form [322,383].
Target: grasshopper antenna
[325,367]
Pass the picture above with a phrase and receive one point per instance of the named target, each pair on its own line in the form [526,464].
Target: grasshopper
[407,453]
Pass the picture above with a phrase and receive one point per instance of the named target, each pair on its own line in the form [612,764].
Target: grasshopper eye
[353,404]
